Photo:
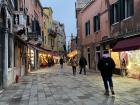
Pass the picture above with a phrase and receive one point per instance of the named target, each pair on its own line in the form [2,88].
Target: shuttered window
[114,13]
[121,10]
[96,23]
[87,28]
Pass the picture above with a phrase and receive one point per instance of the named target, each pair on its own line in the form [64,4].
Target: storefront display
[133,64]
[116,58]
[128,62]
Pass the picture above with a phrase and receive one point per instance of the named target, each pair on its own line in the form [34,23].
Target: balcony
[52,32]
[34,39]
[19,20]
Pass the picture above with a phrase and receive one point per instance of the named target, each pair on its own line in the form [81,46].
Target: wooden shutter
[132,7]
[94,19]
[122,9]
[111,14]
[117,12]
[86,28]
[98,21]
[89,27]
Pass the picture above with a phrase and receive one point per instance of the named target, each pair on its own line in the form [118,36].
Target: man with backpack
[106,66]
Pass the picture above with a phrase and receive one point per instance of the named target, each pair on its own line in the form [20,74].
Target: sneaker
[113,93]
[106,93]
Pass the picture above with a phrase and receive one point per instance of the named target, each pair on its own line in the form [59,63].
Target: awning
[39,48]
[72,54]
[132,43]
[20,39]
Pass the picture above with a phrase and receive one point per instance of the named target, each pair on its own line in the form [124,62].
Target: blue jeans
[107,80]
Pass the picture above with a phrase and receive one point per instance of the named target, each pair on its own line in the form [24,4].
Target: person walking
[61,62]
[74,64]
[106,65]
[82,64]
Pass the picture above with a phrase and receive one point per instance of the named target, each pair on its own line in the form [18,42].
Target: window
[96,23]
[114,12]
[52,43]
[88,49]
[87,28]
[45,40]
[129,8]
[16,5]
[28,20]
[126,8]
[121,10]
[16,19]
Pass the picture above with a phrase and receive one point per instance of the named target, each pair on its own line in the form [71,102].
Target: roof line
[87,5]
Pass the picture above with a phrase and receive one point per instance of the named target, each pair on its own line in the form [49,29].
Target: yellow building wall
[48,24]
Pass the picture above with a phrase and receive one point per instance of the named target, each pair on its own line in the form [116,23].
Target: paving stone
[54,86]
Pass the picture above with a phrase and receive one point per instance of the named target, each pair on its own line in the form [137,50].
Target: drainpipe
[5,43]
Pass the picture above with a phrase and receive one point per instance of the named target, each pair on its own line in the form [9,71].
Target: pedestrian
[106,65]
[74,63]
[82,64]
[123,67]
[61,62]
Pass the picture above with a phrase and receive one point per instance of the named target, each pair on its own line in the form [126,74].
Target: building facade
[102,25]
[6,34]
[35,33]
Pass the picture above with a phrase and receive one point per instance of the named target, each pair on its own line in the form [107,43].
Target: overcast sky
[63,11]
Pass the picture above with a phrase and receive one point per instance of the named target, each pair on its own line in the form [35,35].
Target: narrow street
[55,86]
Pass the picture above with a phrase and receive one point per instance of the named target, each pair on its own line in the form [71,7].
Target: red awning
[39,48]
[132,43]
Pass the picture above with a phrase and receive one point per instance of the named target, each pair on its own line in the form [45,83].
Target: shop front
[44,59]
[126,54]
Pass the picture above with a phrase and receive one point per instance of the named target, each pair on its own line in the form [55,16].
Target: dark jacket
[61,61]
[106,66]
[82,62]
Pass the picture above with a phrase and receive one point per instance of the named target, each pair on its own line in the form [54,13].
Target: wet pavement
[55,86]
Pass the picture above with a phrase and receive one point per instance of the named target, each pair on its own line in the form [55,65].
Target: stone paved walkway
[55,86]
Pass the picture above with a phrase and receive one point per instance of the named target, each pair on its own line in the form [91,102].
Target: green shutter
[132,7]
[111,14]
[86,28]
[89,27]
[122,9]
[117,11]
[94,23]
[98,21]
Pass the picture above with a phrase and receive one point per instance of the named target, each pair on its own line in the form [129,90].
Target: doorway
[98,57]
